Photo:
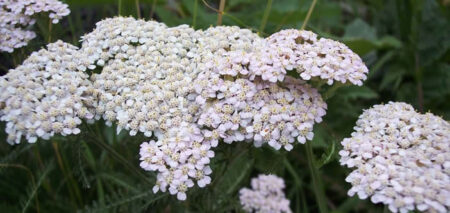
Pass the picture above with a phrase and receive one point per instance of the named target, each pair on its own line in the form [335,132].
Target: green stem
[418,73]
[49,31]
[194,15]
[291,170]
[119,8]
[152,11]
[220,14]
[308,15]
[138,9]
[72,29]
[73,192]
[316,181]
[265,16]
[332,90]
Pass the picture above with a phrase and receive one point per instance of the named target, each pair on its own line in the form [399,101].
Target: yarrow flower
[184,89]
[162,81]
[17,15]
[46,95]
[291,49]
[265,196]
[265,112]
[401,158]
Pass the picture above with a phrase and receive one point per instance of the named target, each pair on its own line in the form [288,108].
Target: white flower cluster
[45,95]
[241,107]
[185,89]
[402,158]
[168,82]
[145,85]
[265,196]
[16,16]
[180,156]
[286,50]
[264,112]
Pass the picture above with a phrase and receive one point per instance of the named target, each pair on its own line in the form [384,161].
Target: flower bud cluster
[16,15]
[46,95]
[265,196]
[401,158]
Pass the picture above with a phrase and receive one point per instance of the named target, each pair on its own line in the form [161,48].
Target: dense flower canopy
[184,89]
[17,15]
[401,158]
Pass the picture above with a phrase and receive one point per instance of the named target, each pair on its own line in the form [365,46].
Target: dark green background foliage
[405,44]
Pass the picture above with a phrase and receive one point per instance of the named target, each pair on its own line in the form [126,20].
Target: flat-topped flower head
[264,113]
[17,15]
[46,95]
[271,59]
[180,156]
[312,57]
[266,195]
[188,88]
[145,77]
[401,158]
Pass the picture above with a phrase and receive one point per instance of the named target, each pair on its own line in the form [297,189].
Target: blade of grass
[33,182]
[265,16]
[100,192]
[308,15]
[73,189]
[291,171]
[36,187]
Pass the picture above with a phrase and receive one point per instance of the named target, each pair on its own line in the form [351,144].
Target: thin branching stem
[220,14]
[210,7]
[308,15]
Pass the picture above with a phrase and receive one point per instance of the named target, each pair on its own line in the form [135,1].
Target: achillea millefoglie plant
[401,158]
[46,95]
[187,90]
[17,16]
[266,195]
